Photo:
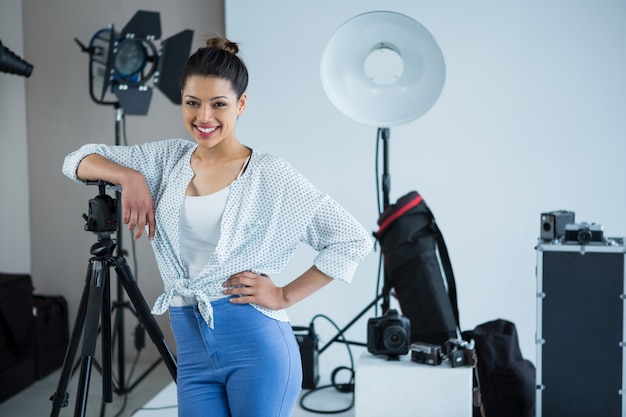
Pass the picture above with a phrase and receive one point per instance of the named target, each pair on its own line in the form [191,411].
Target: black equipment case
[34,334]
[309,354]
[52,333]
[17,334]
[580,329]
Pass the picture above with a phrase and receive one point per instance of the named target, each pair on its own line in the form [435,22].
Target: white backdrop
[531,119]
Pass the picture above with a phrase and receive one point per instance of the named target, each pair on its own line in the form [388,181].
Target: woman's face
[210,110]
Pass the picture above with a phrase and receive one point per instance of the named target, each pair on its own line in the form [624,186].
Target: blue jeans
[247,366]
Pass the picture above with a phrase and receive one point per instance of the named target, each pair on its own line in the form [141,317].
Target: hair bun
[222,44]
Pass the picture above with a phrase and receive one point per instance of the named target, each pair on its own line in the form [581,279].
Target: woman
[222,219]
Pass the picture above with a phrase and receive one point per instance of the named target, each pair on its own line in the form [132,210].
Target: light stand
[119,306]
[123,64]
[381,69]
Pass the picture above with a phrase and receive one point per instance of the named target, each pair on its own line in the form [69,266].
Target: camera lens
[547,226]
[584,236]
[394,337]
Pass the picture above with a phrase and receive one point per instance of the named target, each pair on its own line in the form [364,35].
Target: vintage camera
[389,335]
[460,352]
[426,353]
[583,233]
[553,224]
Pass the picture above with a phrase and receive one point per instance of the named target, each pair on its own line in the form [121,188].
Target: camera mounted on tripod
[102,216]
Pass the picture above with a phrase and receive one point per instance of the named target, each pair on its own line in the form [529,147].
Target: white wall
[14,220]
[531,119]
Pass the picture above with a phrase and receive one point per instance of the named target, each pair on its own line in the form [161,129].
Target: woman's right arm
[137,204]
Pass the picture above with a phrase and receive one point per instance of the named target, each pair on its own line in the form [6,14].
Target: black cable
[346,388]
[343,337]
[311,410]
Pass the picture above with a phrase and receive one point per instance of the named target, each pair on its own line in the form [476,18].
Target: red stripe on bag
[413,203]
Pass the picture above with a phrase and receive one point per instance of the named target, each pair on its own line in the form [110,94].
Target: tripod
[95,304]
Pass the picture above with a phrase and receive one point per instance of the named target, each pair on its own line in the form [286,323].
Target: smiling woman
[223,219]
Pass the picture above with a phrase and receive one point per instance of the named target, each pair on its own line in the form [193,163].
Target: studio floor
[154,396]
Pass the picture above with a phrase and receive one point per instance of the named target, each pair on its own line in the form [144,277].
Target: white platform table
[408,389]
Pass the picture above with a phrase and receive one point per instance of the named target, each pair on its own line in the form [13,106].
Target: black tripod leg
[143,311]
[107,361]
[60,397]
[99,276]
[121,341]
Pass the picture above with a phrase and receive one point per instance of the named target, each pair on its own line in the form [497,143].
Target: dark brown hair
[218,59]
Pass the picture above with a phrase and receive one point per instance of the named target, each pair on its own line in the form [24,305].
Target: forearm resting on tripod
[137,205]
[96,167]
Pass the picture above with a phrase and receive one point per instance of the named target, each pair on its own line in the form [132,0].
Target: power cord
[346,388]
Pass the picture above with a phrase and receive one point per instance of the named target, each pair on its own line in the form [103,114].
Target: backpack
[410,242]
[504,380]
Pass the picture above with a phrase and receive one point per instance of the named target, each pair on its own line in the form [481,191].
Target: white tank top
[200,220]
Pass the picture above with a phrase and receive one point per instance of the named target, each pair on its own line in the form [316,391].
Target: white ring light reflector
[382,69]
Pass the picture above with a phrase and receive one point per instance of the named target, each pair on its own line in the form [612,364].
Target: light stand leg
[354,320]
[119,330]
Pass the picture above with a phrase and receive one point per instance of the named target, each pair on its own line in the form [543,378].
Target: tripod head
[102,218]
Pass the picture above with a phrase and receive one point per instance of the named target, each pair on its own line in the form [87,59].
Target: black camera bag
[504,379]
[412,246]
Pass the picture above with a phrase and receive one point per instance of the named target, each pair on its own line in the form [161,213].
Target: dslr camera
[583,233]
[389,335]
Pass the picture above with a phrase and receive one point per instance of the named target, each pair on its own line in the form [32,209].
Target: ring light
[382,69]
